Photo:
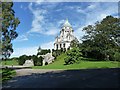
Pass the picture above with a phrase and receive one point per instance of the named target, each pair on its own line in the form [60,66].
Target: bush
[99,54]
[56,53]
[22,59]
[43,52]
[37,61]
[7,74]
[117,56]
[73,56]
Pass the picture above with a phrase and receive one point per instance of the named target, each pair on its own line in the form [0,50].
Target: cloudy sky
[41,21]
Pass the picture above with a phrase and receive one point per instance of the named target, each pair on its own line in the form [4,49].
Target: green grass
[10,62]
[59,64]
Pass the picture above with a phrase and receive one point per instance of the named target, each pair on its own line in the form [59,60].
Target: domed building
[66,36]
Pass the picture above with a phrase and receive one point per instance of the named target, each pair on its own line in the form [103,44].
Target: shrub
[56,53]
[37,61]
[22,59]
[73,56]
[117,56]
[7,74]
[43,52]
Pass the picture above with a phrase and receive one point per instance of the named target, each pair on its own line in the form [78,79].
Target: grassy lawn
[59,64]
[11,62]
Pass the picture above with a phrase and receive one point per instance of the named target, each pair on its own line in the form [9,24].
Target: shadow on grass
[84,78]
[91,59]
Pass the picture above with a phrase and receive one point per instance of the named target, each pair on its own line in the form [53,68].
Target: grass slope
[59,64]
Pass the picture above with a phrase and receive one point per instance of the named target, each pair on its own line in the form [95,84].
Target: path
[84,78]
[15,67]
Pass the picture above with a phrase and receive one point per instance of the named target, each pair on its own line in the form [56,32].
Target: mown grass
[9,62]
[59,64]
[85,63]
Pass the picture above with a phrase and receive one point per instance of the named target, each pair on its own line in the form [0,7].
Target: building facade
[66,36]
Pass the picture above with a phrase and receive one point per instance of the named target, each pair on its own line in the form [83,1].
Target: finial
[66,19]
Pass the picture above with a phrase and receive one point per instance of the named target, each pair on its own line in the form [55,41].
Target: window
[67,27]
[60,45]
[69,37]
[64,45]
[57,46]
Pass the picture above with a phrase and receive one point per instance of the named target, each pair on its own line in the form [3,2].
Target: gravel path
[22,72]
[84,78]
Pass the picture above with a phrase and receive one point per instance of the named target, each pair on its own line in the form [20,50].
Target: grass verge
[59,64]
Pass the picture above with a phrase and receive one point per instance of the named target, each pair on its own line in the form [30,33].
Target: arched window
[69,37]
[64,45]
[57,46]
[60,45]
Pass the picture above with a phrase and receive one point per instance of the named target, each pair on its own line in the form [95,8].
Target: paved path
[15,67]
[84,78]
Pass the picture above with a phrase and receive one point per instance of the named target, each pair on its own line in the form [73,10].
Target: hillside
[59,64]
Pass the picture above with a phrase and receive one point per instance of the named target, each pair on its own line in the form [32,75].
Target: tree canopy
[103,38]
[9,25]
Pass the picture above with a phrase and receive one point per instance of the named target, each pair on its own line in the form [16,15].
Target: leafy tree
[37,60]
[74,43]
[22,59]
[73,56]
[56,53]
[117,56]
[43,51]
[9,25]
[102,37]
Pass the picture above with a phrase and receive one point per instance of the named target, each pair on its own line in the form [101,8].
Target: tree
[43,51]
[102,37]
[22,59]
[37,60]
[74,43]
[9,25]
[73,56]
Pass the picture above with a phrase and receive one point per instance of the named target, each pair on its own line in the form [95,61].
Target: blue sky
[41,22]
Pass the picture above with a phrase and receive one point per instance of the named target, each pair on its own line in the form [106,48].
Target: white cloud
[39,22]
[25,50]
[49,45]
[61,22]
[76,8]
[52,31]
[96,12]
[92,6]
[31,50]
[80,11]
[21,6]
[38,2]
[38,19]
[79,33]
[59,10]
[24,8]
[22,38]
